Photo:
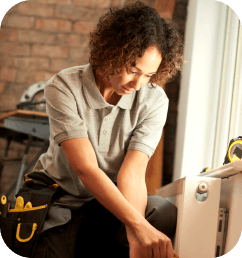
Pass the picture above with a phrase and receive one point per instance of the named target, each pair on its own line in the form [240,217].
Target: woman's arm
[131,179]
[131,183]
[82,159]
[145,238]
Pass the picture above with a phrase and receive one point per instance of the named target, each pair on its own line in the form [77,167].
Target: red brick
[31,77]
[59,64]
[17,21]
[33,36]
[65,12]
[6,104]
[49,51]
[68,39]
[2,87]
[58,2]
[76,53]
[14,49]
[93,3]
[42,76]
[81,55]
[7,74]
[8,34]
[73,40]
[53,25]
[23,76]
[3,144]
[63,25]
[32,9]
[79,13]
[9,175]
[31,63]
[6,61]
[117,2]
[84,27]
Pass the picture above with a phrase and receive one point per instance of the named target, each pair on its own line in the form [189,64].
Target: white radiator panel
[195,219]
[197,222]
[231,198]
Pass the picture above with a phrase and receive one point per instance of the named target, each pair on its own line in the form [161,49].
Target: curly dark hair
[122,35]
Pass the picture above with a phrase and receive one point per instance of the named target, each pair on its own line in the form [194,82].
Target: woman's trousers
[95,232]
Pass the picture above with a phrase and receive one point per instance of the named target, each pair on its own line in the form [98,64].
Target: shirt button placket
[104,137]
[105,131]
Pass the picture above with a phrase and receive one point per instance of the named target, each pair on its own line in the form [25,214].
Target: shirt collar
[94,97]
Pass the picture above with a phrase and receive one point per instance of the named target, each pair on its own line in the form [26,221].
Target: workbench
[30,128]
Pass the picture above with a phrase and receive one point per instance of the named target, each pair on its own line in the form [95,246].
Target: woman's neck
[105,88]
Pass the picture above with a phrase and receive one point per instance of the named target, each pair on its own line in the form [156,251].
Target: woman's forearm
[105,191]
[134,190]
[131,180]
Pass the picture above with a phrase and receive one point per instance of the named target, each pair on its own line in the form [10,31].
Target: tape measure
[234,150]
[205,170]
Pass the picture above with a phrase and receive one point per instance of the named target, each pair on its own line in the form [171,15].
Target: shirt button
[106,119]
[105,132]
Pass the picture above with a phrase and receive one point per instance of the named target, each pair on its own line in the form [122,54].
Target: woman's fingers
[176,255]
[156,251]
[150,243]
[169,250]
[162,250]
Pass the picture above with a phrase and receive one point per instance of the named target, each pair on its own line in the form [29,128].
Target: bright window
[210,103]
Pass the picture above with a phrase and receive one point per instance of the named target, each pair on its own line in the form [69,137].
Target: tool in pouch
[206,169]
[4,206]
[21,226]
[234,151]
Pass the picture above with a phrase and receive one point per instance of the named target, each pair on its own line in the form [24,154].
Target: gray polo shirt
[76,109]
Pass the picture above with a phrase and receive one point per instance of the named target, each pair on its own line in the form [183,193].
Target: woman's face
[135,77]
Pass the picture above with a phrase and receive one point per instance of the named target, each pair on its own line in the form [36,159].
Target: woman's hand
[148,242]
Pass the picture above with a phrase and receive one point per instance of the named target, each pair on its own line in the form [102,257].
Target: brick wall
[40,37]
[37,39]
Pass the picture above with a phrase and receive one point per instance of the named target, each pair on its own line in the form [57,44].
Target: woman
[106,120]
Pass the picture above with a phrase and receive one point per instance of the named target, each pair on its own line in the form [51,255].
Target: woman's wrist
[132,229]
[130,234]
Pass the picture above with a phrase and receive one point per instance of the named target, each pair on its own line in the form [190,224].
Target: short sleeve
[147,134]
[61,107]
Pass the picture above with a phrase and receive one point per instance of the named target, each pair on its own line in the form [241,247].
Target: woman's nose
[136,83]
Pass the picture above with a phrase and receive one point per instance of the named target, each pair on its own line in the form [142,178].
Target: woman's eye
[132,72]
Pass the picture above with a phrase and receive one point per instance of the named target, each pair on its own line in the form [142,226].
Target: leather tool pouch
[21,228]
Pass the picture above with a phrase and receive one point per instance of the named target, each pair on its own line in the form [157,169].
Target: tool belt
[21,227]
